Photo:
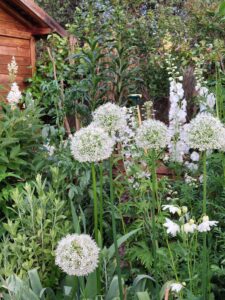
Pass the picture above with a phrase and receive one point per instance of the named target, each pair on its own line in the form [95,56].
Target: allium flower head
[152,134]
[77,255]
[172,228]
[14,95]
[206,224]
[91,144]
[111,117]
[205,132]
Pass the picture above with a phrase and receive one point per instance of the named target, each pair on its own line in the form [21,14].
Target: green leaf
[91,286]
[35,281]
[113,292]
[143,296]
[120,241]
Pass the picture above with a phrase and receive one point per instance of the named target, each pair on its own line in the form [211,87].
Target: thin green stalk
[155,205]
[172,260]
[95,202]
[205,278]
[101,201]
[114,229]
[204,182]
[95,219]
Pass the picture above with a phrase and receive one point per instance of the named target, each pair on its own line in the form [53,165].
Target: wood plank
[13,26]
[22,70]
[15,33]
[33,54]
[4,79]
[14,51]
[10,41]
[21,61]
[4,16]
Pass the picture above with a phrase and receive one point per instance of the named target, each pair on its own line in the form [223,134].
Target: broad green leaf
[143,296]
[121,240]
[35,281]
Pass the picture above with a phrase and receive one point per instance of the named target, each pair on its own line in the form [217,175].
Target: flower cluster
[111,117]
[91,144]
[77,255]
[14,95]
[12,69]
[152,134]
[205,132]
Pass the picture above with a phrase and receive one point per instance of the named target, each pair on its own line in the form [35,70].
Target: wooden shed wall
[15,40]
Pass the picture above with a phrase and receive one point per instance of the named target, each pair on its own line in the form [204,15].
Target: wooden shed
[22,22]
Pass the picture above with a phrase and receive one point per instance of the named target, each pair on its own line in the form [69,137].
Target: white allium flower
[206,224]
[152,134]
[195,156]
[205,132]
[172,209]
[172,228]
[77,254]
[111,117]
[14,95]
[176,287]
[91,144]
[189,227]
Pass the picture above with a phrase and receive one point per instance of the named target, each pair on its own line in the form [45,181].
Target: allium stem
[114,229]
[95,198]
[101,201]
[154,207]
[205,277]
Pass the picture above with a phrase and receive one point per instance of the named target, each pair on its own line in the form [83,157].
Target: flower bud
[184,209]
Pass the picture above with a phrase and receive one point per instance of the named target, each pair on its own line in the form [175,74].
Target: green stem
[95,202]
[205,278]
[204,182]
[155,205]
[114,229]
[95,219]
[101,201]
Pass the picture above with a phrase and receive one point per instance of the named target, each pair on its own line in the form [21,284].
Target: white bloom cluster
[111,117]
[210,99]
[177,119]
[12,68]
[14,95]
[50,149]
[205,132]
[91,144]
[152,134]
[77,255]
[176,287]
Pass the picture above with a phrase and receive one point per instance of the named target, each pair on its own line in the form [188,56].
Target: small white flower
[172,209]
[211,100]
[50,149]
[206,224]
[91,144]
[195,156]
[189,227]
[176,287]
[152,134]
[172,228]
[77,254]
[13,67]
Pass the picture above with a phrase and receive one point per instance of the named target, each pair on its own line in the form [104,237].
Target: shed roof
[31,14]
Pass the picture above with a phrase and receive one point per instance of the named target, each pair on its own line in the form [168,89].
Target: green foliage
[30,239]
